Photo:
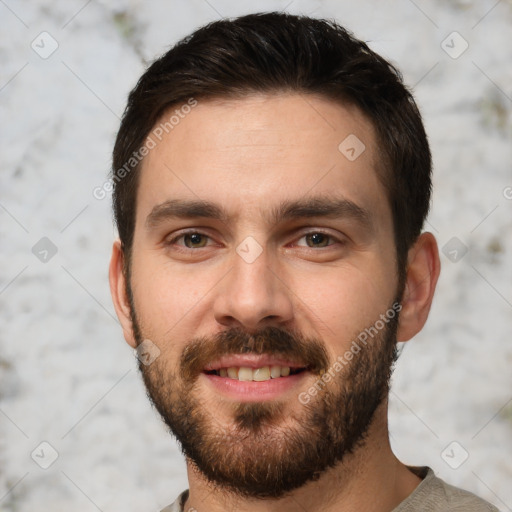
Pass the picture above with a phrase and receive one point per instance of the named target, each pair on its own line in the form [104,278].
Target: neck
[372,466]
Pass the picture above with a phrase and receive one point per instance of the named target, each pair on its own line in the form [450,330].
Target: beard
[268,449]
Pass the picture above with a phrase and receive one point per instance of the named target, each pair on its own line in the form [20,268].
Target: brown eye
[317,240]
[195,240]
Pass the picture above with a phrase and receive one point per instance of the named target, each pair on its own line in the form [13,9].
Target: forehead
[248,154]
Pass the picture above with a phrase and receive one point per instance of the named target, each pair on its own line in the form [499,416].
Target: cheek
[157,299]
[339,303]
[168,300]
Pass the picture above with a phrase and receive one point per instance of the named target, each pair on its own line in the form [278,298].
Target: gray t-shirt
[431,495]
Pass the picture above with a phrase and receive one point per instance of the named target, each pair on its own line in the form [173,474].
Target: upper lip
[251,361]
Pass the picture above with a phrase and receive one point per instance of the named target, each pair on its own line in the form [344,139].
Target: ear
[423,267]
[117,281]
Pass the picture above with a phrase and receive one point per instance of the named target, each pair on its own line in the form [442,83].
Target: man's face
[251,297]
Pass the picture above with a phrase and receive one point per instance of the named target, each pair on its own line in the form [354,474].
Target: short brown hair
[276,52]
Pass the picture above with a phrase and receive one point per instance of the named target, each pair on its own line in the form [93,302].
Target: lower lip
[252,391]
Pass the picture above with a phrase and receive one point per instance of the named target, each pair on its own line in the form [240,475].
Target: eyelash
[174,239]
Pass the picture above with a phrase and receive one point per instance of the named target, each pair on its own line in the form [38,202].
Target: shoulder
[459,499]
[434,494]
[177,506]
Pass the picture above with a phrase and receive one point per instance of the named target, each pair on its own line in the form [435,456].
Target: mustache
[306,352]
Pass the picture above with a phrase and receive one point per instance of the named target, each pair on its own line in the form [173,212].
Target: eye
[317,239]
[191,240]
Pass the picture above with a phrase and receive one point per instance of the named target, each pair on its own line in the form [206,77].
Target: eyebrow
[325,207]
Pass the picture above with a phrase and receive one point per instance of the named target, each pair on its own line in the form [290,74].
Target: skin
[249,155]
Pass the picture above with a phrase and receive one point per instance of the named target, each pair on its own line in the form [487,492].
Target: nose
[253,296]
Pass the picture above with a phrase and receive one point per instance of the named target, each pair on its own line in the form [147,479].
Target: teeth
[245,373]
[261,374]
[275,371]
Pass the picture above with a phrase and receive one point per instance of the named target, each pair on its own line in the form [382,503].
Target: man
[271,179]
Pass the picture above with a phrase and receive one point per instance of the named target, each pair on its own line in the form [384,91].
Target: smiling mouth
[263,373]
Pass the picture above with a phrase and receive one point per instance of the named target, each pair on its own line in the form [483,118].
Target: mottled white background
[66,375]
